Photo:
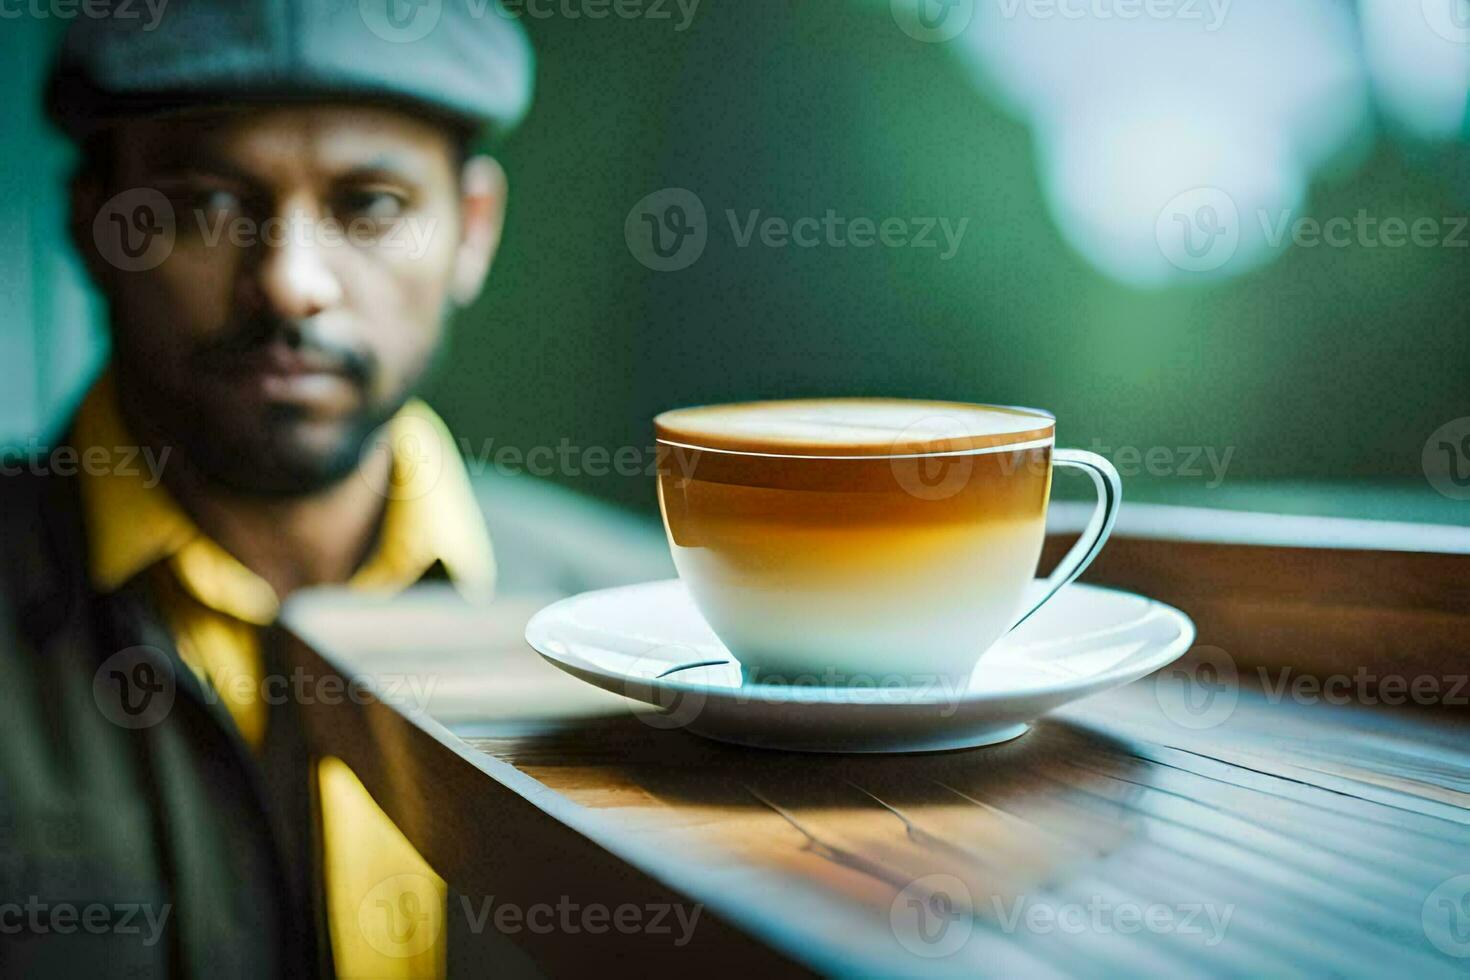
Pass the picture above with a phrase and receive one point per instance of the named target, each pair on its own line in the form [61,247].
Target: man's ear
[482,207]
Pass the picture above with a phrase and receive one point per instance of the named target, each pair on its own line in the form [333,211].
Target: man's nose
[296,272]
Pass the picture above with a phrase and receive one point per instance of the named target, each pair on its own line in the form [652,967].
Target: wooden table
[1270,830]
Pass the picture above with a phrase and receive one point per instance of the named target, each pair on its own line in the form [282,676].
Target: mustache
[304,337]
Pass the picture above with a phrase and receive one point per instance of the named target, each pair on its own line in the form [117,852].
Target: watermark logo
[1199,230]
[1446,917]
[667,230]
[933,916]
[401,916]
[1446,459]
[415,449]
[1450,19]
[135,230]
[933,476]
[677,708]
[1201,691]
[401,21]
[932,21]
[135,688]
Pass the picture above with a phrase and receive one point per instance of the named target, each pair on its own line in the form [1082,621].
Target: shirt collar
[133,523]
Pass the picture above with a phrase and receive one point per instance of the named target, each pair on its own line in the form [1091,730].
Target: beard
[285,453]
[251,446]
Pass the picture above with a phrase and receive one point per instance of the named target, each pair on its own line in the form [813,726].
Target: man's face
[316,252]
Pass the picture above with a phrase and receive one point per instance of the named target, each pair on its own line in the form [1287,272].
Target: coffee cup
[866,542]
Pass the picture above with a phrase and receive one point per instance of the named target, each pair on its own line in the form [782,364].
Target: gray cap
[467,60]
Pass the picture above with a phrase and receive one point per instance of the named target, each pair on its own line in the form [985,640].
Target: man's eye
[372,204]
[214,202]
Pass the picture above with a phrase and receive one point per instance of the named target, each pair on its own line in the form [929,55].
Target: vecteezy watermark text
[136,687]
[419,448]
[1364,230]
[668,230]
[407,21]
[836,231]
[90,9]
[566,458]
[37,917]
[602,9]
[671,678]
[1202,229]
[1186,462]
[38,459]
[940,476]
[1202,690]
[1099,915]
[1210,13]
[934,916]
[1365,687]
[566,917]
[138,229]
[302,687]
[404,915]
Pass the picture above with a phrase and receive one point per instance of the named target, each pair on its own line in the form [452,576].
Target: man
[279,203]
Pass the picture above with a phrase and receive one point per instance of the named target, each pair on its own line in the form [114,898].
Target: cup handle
[1095,535]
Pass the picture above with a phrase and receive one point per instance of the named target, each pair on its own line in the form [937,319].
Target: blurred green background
[1322,374]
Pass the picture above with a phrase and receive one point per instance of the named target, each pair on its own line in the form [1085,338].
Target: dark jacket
[139,836]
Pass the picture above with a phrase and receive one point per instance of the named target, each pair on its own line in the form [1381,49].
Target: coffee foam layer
[852,427]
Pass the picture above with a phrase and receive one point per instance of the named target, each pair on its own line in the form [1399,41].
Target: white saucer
[1085,640]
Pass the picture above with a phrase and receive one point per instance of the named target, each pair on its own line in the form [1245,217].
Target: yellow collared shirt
[215,607]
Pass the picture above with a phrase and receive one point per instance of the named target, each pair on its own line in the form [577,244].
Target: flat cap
[466,60]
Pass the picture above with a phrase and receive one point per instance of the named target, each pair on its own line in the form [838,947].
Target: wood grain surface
[1218,818]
